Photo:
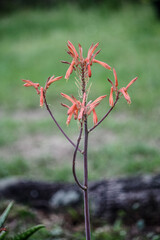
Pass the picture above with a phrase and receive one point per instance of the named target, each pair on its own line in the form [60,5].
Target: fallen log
[135,197]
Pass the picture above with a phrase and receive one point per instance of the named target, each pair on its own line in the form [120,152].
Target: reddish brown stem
[74,160]
[53,118]
[86,199]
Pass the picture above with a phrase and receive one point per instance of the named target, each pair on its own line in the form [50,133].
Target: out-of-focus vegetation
[32,43]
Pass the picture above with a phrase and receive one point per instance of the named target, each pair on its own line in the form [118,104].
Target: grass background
[32,43]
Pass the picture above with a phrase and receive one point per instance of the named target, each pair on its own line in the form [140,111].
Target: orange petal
[68,97]
[88,55]
[115,77]
[69,118]
[89,70]
[72,109]
[131,82]
[102,63]
[125,94]
[91,50]
[111,103]
[73,48]
[29,83]
[52,79]
[80,51]
[41,97]
[70,70]
[95,118]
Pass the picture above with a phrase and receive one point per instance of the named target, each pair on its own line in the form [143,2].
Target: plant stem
[86,199]
[74,160]
[48,109]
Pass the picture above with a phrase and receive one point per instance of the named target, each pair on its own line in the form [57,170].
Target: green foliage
[5,214]
[20,236]
[26,234]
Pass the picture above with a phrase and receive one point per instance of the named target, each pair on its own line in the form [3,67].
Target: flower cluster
[80,109]
[122,91]
[40,90]
[79,60]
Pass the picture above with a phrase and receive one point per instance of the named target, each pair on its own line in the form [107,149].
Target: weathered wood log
[137,197]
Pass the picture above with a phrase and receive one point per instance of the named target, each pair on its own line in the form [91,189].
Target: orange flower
[95,118]
[91,108]
[51,80]
[91,58]
[79,60]
[94,104]
[70,70]
[123,90]
[29,83]
[111,103]
[113,88]
[41,97]
[74,109]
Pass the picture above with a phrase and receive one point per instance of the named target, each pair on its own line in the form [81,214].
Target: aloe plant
[19,236]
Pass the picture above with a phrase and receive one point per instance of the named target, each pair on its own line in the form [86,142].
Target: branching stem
[53,118]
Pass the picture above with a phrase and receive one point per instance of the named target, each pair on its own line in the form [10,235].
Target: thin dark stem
[74,160]
[86,200]
[91,129]
[47,106]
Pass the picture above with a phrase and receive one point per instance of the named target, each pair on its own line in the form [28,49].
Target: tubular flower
[113,88]
[51,80]
[79,109]
[41,96]
[78,59]
[123,90]
[91,58]
[42,90]
[29,83]
[74,109]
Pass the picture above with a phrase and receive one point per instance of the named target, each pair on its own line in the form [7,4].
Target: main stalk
[86,199]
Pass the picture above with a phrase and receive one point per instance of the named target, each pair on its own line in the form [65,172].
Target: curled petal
[102,63]
[91,50]
[99,99]
[88,55]
[115,77]
[95,118]
[71,46]
[131,82]
[52,79]
[96,53]
[69,118]
[111,103]
[125,94]
[64,105]
[111,82]
[67,97]
[41,97]
[29,83]
[80,51]
[89,70]
[94,104]
[76,114]
[72,109]
[70,70]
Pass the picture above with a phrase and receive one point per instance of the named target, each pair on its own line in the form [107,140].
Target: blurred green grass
[32,43]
